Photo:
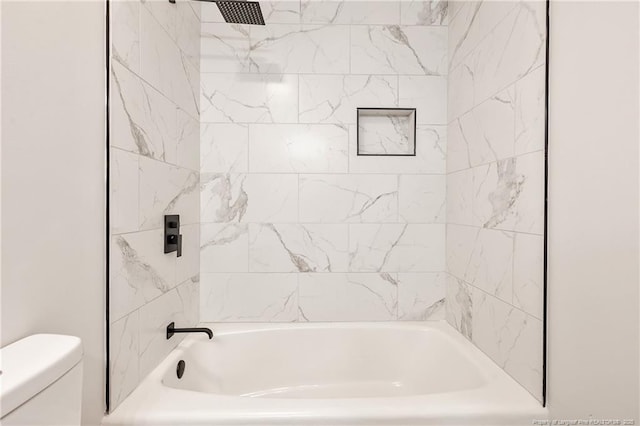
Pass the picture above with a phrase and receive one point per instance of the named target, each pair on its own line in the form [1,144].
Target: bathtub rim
[502,401]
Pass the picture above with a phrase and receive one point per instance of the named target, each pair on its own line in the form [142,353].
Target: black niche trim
[415,120]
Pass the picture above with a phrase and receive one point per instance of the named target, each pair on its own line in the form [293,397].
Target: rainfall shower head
[241,12]
[238,11]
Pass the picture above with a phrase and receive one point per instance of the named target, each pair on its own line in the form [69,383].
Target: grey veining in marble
[506,192]
[143,121]
[460,306]
[348,297]
[298,248]
[396,49]
[230,198]
[424,12]
[348,198]
[421,296]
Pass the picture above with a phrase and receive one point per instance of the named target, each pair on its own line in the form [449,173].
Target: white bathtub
[328,374]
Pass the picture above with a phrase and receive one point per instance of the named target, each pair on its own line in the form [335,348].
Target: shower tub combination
[328,374]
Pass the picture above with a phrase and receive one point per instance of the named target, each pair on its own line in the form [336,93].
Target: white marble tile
[274,12]
[394,49]
[454,8]
[460,244]
[140,271]
[514,48]
[174,306]
[189,294]
[428,94]
[271,249]
[224,148]
[460,197]
[530,112]
[472,24]
[348,297]
[224,47]
[518,46]
[141,120]
[350,12]
[483,258]
[123,368]
[528,274]
[526,358]
[458,153]
[297,248]
[277,49]
[197,9]
[249,297]
[488,131]
[459,306]
[250,198]
[224,247]
[209,12]
[461,93]
[391,132]
[188,141]
[280,12]
[191,97]
[301,148]
[327,246]
[223,197]
[283,48]
[424,12]
[421,296]
[396,248]
[490,263]
[164,13]
[511,338]
[431,149]
[422,198]
[493,200]
[188,265]
[188,32]
[249,98]
[162,63]
[348,198]
[166,189]
[509,194]
[335,98]
[124,191]
[125,33]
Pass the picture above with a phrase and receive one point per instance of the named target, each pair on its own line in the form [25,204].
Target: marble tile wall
[294,225]
[155,167]
[495,182]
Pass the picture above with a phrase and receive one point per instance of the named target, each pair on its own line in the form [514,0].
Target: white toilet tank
[41,381]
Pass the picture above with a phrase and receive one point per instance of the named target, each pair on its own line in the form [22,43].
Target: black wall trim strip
[107,199]
[545,318]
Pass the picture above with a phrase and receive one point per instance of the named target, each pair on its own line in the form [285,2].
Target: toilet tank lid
[31,364]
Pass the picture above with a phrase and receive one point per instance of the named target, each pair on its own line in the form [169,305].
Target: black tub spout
[171,330]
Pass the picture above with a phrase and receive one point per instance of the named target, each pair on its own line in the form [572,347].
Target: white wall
[53,162]
[593,210]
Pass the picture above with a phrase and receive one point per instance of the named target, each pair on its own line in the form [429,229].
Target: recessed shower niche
[387,131]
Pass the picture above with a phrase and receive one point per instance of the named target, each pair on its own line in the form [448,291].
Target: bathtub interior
[328,374]
[329,362]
